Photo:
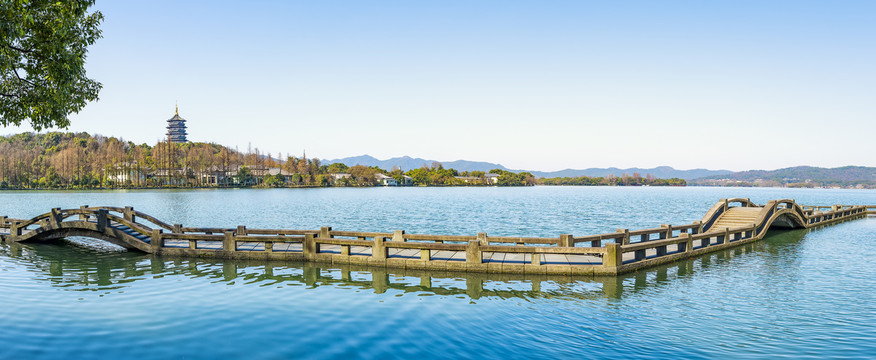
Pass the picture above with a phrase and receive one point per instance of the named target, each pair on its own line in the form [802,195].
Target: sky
[536,85]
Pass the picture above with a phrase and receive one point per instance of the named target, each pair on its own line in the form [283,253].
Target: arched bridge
[729,223]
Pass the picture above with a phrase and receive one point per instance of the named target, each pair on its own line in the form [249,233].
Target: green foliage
[623,180]
[508,178]
[337,168]
[244,176]
[42,60]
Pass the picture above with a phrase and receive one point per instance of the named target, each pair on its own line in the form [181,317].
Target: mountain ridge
[838,176]
[407,163]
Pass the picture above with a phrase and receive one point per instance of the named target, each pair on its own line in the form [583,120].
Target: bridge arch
[786,220]
[49,235]
[92,223]
[781,214]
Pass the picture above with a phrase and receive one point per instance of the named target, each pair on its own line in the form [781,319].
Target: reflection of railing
[612,253]
[81,270]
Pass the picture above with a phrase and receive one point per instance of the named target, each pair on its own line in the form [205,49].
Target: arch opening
[787,221]
[64,233]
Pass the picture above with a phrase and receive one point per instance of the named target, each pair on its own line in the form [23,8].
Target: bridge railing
[837,212]
[474,247]
[623,248]
[683,243]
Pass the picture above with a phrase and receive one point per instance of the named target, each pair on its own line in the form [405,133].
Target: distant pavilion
[176,128]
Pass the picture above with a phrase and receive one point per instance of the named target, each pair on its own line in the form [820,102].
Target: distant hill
[840,176]
[407,163]
[661,172]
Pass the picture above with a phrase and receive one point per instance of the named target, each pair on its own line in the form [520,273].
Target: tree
[42,60]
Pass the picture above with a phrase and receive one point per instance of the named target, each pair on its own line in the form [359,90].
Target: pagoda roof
[176,116]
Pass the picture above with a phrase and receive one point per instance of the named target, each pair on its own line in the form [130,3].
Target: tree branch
[26,51]
[20,79]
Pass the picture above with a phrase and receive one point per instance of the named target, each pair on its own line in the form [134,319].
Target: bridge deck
[722,227]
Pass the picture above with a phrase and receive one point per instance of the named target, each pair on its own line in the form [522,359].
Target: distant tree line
[611,180]
[57,160]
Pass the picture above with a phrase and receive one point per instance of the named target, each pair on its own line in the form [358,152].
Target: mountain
[840,176]
[661,172]
[407,163]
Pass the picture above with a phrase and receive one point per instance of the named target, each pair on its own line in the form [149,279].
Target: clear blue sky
[541,85]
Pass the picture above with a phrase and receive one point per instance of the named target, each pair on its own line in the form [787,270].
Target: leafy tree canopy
[42,60]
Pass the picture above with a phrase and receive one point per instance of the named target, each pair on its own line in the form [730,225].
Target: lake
[796,293]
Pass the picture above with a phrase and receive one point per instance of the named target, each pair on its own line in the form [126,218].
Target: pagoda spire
[176,109]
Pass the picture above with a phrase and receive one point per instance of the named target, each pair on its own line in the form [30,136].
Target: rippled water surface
[796,294]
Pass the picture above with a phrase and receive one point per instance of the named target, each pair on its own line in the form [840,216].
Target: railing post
[269,247]
[228,243]
[83,217]
[726,235]
[398,235]
[177,228]
[726,204]
[667,231]
[56,218]
[626,236]
[535,259]
[14,229]
[378,250]
[129,213]
[699,227]
[482,239]
[309,246]
[688,245]
[425,254]
[613,255]
[157,242]
[101,220]
[566,241]
[325,232]
[241,230]
[473,252]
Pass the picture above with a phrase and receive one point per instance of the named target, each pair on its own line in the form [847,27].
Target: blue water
[796,294]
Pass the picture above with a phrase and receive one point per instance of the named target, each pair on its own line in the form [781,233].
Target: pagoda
[176,128]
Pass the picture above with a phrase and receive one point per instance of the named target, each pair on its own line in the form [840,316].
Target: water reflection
[80,268]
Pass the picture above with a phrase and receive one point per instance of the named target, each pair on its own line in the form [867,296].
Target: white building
[384,180]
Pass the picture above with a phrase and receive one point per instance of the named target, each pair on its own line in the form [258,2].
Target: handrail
[140,228]
[712,215]
[153,220]
[745,202]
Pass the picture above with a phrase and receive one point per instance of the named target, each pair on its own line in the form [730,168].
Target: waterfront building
[384,180]
[176,128]
[126,173]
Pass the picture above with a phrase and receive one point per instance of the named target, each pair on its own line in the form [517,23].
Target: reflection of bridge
[86,269]
[623,251]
